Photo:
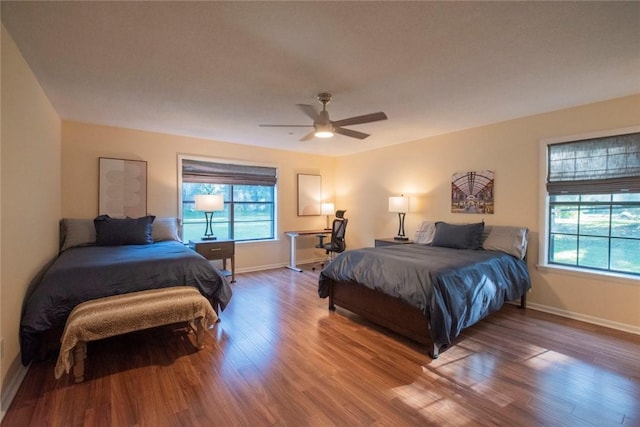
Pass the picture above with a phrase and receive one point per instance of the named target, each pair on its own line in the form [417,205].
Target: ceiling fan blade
[286,126]
[308,136]
[310,111]
[351,133]
[367,118]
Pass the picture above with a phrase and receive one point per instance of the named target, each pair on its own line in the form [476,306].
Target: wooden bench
[121,314]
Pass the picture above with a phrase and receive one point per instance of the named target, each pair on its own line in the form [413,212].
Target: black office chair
[337,243]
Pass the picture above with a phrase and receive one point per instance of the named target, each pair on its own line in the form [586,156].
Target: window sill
[625,279]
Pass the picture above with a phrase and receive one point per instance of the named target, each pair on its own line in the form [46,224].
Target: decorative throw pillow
[511,240]
[126,231]
[425,233]
[165,229]
[76,232]
[464,236]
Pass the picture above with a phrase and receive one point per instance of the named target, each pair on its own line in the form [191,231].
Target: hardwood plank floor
[279,357]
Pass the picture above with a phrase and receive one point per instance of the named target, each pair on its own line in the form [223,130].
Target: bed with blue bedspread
[87,269]
[431,290]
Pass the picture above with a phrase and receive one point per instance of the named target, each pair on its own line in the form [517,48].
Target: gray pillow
[165,229]
[458,236]
[511,240]
[126,231]
[76,232]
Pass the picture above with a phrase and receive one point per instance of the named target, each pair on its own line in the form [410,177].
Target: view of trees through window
[599,231]
[248,214]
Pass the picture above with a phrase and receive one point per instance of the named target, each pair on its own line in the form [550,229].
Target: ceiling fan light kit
[324,130]
[323,127]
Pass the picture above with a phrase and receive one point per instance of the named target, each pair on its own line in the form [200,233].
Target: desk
[293,235]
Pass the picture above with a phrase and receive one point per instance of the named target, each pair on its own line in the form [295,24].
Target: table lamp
[209,203]
[399,204]
[328,209]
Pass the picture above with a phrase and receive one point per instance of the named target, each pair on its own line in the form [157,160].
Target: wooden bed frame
[387,311]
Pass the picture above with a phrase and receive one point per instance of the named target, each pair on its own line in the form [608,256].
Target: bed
[105,257]
[429,291]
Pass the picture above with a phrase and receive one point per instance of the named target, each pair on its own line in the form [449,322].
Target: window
[593,203]
[249,193]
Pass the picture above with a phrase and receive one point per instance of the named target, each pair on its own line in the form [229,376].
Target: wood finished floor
[279,357]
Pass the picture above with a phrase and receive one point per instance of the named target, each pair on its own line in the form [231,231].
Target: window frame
[182,157]
[544,213]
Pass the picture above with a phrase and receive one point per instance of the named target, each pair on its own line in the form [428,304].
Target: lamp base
[401,238]
[208,238]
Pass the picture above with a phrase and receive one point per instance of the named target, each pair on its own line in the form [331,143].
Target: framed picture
[309,194]
[123,188]
[472,192]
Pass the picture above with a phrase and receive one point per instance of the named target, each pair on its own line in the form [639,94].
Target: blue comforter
[86,273]
[454,287]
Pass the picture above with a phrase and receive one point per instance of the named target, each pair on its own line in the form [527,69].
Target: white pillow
[512,240]
[76,232]
[425,233]
[165,229]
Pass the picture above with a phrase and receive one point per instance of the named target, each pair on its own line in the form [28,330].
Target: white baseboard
[11,384]
[585,318]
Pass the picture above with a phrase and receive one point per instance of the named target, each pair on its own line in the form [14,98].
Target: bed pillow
[76,232]
[458,236]
[424,234]
[511,240]
[125,231]
[165,229]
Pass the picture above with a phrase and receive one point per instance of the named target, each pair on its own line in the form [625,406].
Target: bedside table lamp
[399,204]
[209,203]
[328,209]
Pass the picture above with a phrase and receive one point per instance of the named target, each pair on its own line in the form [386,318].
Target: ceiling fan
[323,127]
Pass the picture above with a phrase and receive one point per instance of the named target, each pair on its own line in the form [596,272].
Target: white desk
[293,235]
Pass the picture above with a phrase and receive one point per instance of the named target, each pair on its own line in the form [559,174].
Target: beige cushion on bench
[120,314]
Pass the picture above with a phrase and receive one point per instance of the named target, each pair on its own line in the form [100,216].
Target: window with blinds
[593,188]
[249,193]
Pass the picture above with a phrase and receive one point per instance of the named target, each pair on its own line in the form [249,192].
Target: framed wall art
[309,194]
[123,188]
[472,192]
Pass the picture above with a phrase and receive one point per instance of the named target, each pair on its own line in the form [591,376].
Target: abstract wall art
[123,188]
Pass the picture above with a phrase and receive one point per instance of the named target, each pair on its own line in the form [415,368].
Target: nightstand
[217,249]
[388,241]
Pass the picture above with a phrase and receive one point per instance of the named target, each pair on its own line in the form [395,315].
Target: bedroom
[33,132]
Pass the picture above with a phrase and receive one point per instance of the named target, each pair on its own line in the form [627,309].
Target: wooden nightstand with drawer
[215,250]
[391,241]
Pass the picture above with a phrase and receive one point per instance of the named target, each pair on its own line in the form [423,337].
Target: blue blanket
[86,273]
[454,287]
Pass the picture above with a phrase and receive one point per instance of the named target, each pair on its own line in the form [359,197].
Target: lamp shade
[209,202]
[398,204]
[328,209]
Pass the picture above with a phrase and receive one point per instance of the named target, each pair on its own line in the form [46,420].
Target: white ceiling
[217,69]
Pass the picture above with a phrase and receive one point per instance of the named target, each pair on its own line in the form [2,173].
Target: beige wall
[423,168]
[30,191]
[83,144]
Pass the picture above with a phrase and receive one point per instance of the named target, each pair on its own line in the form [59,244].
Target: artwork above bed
[123,187]
[472,192]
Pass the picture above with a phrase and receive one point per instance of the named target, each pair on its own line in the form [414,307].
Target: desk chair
[337,243]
